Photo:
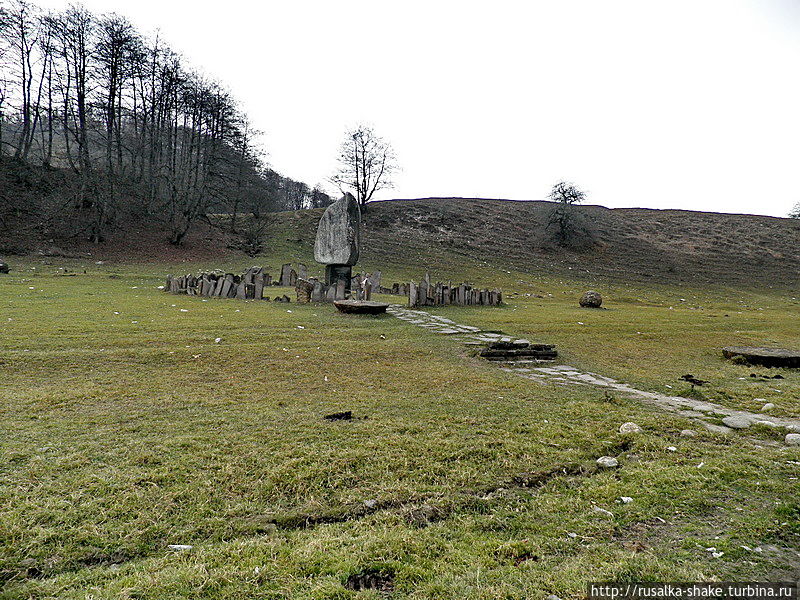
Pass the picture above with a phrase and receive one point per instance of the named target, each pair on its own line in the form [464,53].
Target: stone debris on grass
[630,427]
[602,511]
[607,462]
[179,547]
[625,499]
[767,406]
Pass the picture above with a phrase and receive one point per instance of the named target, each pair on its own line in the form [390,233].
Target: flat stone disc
[768,357]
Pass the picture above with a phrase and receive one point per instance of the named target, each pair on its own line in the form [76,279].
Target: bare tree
[564,218]
[127,131]
[366,164]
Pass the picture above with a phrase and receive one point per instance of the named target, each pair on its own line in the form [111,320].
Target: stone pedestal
[334,274]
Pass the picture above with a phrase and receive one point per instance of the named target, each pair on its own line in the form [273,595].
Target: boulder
[591,299]
[339,233]
[4,268]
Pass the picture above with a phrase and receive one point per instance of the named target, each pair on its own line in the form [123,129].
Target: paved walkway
[547,372]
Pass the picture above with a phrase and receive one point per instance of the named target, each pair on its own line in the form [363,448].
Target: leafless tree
[366,164]
[563,218]
[126,128]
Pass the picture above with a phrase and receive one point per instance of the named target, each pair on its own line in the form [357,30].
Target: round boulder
[792,439]
[591,299]
[4,268]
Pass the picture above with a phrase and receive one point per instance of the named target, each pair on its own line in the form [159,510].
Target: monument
[337,243]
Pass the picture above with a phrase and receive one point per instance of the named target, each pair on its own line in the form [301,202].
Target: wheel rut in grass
[547,372]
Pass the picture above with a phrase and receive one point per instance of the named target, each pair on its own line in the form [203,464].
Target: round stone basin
[360,307]
[768,357]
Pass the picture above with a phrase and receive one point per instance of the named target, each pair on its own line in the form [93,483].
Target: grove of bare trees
[111,125]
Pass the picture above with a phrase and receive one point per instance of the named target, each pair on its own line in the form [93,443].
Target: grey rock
[768,406]
[736,422]
[339,233]
[767,357]
[792,439]
[630,427]
[607,462]
[713,428]
[318,293]
[4,268]
[591,299]
[602,511]
[688,433]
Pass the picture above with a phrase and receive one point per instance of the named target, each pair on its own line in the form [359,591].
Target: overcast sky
[666,104]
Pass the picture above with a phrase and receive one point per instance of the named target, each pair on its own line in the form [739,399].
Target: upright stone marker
[338,242]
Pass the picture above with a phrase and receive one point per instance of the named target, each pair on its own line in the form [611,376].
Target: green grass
[125,428]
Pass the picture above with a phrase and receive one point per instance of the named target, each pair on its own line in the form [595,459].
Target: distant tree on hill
[564,219]
[795,212]
[366,164]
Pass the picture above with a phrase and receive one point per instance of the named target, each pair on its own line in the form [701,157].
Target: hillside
[452,235]
[668,245]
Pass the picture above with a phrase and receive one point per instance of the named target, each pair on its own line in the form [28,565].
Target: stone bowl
[360,307]
[767,357]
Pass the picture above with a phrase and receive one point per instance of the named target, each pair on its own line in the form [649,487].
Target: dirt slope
[629,244]
[640,244]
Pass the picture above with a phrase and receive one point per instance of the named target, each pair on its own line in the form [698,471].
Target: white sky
[657,103]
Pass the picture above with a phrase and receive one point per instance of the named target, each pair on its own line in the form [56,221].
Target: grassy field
[125,427]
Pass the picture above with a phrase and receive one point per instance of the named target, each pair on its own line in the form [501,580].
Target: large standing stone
[338,234]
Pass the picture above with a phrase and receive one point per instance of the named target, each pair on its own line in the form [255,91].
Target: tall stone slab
[338,242]
[339,233]
[318,294]
[304,289]
[288,276]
